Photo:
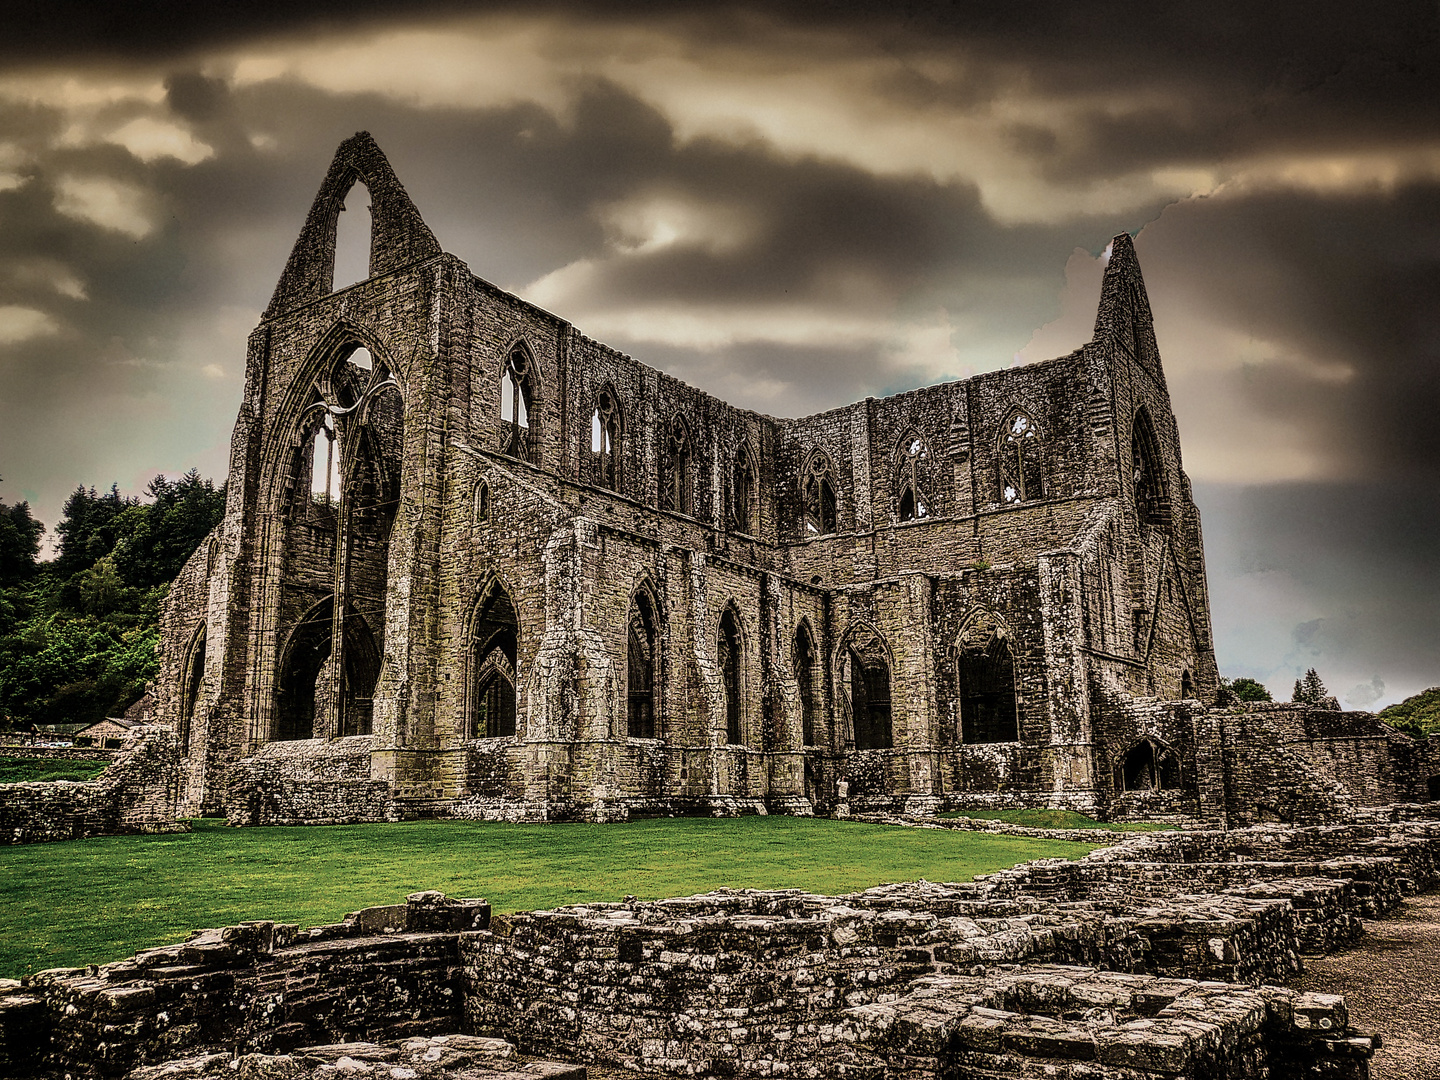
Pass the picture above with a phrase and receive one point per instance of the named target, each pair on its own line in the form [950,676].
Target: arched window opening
[494,709]
[675,483]
[986,677]
[605,442]
[517,401]
[360,674]
[743,492]
[1152,503]
[212,555]
[805,672]
[1148,766]
[1187,685]
[912,478]
[301,691]
[326,478]
[194,676]
[640,663]
[352,239]
[866,674]
[1021,469]
[482,502]
[731,658]
[818,492]
[361,359]
[494,645]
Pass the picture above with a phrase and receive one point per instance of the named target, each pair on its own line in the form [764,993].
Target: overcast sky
[792,207]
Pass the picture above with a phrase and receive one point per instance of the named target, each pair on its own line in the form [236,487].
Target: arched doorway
[494,645]
[641,656]
[986,678]
[731,658]
[865,674]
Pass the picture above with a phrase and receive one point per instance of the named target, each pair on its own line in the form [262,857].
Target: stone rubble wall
[260,987]
[308,782]
[135,794]
[57,753]
[1151,958]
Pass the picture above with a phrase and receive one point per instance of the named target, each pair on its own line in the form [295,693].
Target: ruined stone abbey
[477,564]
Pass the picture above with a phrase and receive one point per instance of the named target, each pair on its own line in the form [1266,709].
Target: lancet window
[605,442]
[517,403]
[675,483]
[1021,467]
[743,492]
[818,492]
[911,483]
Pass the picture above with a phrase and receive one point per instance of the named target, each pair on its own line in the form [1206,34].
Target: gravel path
[1391,983]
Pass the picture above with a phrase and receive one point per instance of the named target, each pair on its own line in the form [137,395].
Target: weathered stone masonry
[544,580]
[1158,957]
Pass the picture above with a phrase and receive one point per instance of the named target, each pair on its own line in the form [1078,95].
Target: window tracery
[605,441]
[1021,468]
[743,492]
[675,484]
[818,493]
[517,400]
[913,504]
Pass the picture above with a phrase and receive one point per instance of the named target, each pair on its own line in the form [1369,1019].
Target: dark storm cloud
[785,267]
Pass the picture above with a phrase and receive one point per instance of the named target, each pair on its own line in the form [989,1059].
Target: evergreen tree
[19,543]
[1309,690]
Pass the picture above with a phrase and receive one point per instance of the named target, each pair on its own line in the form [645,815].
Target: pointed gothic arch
[519,404]
[864,667]
[492,664]
[1021,455]
[806,666]
[642,666]
[677,485]
[730,658]
[819,501]
[742,492]
[190,686]
[912,478]
[1148,480]
[607,430]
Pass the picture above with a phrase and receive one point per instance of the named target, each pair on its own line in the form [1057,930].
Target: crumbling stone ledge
[135,794]
[1155,958]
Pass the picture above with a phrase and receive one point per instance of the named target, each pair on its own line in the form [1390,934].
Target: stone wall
[57,753]
[382,973]
[1154,957]
[308,782]
[135,794]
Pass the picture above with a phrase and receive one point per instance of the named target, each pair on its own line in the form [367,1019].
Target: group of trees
[1418,715]
[78,634]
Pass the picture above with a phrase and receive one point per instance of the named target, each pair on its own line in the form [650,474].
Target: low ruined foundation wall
[261,987]
[308,782]
[1159,974]
[57,753]
[135,794]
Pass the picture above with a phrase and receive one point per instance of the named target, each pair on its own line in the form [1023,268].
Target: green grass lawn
[92,901]
[17,770]
[1056,819]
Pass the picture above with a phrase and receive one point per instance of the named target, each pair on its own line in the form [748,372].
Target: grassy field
[18,770]
[1056,819]
[92,901]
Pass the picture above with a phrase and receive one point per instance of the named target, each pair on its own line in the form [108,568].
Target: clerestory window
[743,492]
[675,484]
[818,493]
[605,442]
[517,403]
[1021,468]
[911,483]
